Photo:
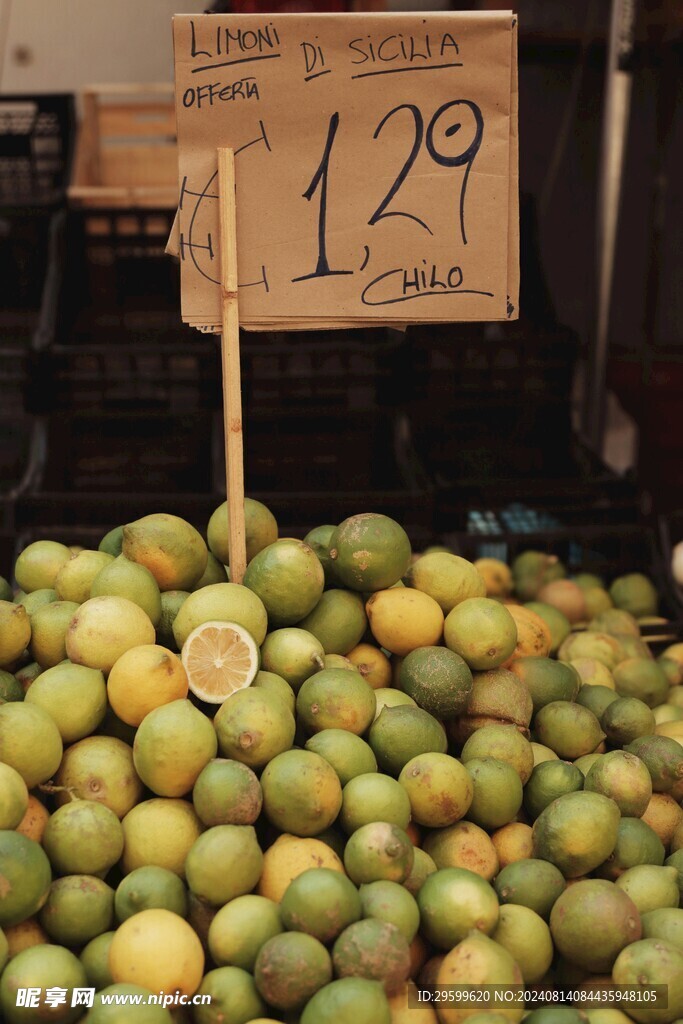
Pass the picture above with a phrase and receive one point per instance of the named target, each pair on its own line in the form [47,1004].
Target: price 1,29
[456,118]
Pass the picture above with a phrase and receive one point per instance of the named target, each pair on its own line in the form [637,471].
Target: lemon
[35,600]
[512,842]
[224,862]
[13,797]
[171,603]
[123,578]
[24,935]
[662,814]
[35,818]
[29,742]
[293,653]
[338,621]
[219,659]
[38,564]
[74,696]
[369,552]
[527,939]
[453,902]
[241,927]
[159,950]
[288,578]
[144,678]
[463,845]
[172,745]
[221,602]
[402,619]
[289,857]
[159,832]
[215,572]
[112,542]
[373,797]
[373,665]
[275,684]
[439,789]
[496,575]
[172,550]
[253,726]
[481,631]
[533,634]
[99,768]
[103,629]
[49,627]
[15,632]
[302,794]
[448,578]
[74,579]
[260,528]
[348,754]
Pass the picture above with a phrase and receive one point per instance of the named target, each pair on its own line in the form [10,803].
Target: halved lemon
[219,658]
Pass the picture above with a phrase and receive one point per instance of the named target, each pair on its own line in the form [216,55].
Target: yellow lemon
[143,679]
[158,950]
[15,632]
[402,619]
[289,857]
[373,665]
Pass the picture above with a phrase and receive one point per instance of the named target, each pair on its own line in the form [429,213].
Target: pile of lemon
[360,771]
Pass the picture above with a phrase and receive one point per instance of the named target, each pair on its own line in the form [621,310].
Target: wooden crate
[126,152]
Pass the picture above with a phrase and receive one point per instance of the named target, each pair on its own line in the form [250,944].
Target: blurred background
[111,408]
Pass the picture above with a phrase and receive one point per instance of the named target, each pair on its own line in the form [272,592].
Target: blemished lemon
[160,832]
[143,679]
[219,659]
[22,936]
[373,665]
[32,825]
[99,768]
[103,629]
[221,602]
[172,550]
[159,950]
[402,619]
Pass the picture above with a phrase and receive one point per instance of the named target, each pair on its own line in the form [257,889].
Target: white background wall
[61,45]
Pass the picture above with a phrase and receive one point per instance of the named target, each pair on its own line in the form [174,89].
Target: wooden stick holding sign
[230,350]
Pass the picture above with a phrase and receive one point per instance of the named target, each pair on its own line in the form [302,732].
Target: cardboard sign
[376,166]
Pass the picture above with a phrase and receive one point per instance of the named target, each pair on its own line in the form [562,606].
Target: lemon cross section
[219,658]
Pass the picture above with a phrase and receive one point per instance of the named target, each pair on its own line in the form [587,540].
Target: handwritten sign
[376,166]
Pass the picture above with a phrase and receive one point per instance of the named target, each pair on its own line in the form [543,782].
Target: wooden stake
[230,349]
